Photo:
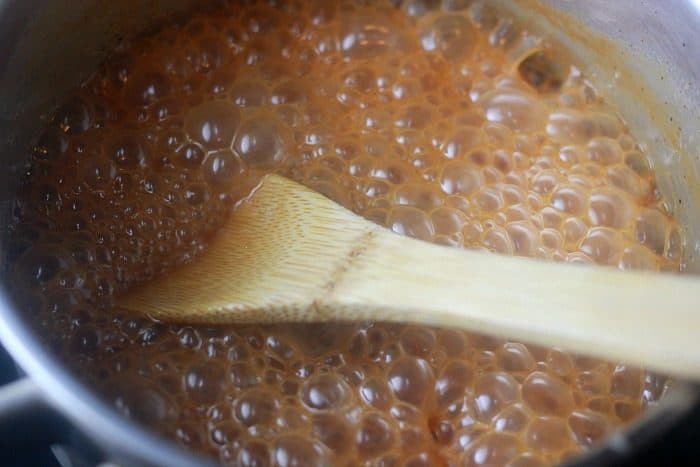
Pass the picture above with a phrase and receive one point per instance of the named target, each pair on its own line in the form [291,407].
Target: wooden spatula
[289,254]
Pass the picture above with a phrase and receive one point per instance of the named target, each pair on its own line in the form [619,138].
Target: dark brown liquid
[450,124]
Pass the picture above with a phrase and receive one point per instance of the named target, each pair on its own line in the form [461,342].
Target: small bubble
[261,142]
[190,155]
[546,394]
[450,35]
[249,94]
[204,383]
[325,392]
[75,116]
[293,450]
[255,407]
[213,124]
[147,87]
[375,436]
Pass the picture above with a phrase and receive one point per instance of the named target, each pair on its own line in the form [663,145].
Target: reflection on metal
[57,42]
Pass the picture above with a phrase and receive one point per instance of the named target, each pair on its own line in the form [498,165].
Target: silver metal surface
[47,46]
[17,397]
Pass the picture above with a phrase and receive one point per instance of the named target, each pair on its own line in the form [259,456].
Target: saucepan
[643,56]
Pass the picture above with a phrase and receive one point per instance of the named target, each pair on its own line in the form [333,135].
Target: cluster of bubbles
[369,394]
[444,121]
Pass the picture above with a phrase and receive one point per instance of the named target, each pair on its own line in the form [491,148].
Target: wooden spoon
[289,254]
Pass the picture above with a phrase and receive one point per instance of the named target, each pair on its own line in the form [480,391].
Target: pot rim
[128,440]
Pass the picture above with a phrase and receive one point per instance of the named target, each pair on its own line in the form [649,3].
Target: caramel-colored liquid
[446,122]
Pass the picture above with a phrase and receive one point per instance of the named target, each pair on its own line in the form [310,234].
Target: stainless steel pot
[48,46]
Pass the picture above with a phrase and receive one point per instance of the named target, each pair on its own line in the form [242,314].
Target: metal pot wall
[48,46]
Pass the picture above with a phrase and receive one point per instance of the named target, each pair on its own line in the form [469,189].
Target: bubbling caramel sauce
[443,121]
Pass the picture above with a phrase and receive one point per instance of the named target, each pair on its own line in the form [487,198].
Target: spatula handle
[290,254]
[653,319]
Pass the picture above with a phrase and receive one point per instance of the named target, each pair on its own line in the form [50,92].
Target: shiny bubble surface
[427,118]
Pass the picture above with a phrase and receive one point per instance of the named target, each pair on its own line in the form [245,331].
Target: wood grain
[289,254]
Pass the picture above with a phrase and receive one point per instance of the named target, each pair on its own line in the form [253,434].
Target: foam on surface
[443,121]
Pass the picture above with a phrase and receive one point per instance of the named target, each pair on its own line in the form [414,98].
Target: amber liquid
[448,122]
